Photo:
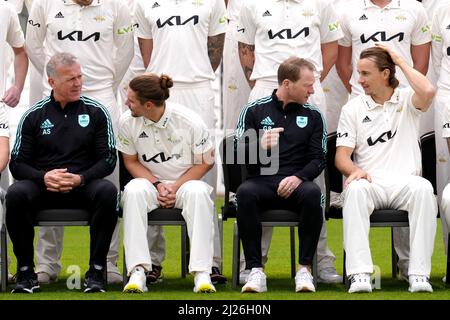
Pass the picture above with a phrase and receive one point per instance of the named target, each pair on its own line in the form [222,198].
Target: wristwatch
[155,184]
[81,180]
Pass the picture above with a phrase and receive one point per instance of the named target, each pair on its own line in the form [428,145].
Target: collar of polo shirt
[298,1]
[71,2]
[392,4]
[371,104]
[163,122]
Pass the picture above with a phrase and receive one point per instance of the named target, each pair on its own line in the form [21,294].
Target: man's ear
[51,82]
[386,74]
[285,83]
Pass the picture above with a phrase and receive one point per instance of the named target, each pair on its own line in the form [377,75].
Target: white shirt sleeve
[36,32]
[436,45]
[246,25]
[346,40]
[14,35]
[421,33]
[4,126]
[330,29]
[144,29]
[446,121]
[218,21]
[124,43]
[346,131]
[125,141]
[201,138]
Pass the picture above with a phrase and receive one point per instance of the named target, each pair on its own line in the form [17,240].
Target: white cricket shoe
[256,281]
[360,282]
[137,282]
[419,284]
[202,283]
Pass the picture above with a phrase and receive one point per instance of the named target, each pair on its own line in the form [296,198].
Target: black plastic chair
[47,218]
[379,218]
[234,173]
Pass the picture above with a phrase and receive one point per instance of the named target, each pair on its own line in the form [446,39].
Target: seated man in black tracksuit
[288,137]
[64,147]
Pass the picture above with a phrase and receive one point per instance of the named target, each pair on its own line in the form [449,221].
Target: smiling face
[370,77]
[67,83]
[300,90]
[137,109]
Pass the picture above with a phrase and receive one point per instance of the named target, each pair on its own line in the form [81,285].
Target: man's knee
[197,188]
[312,193]
[18,194]
[357,187]
[105,191]
[135,187]
[419,185]
[246,193]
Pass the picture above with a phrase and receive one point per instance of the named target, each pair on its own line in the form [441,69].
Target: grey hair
[61,58]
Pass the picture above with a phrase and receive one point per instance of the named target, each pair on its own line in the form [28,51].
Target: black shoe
[26,282]
[217,277]
[155,275]
[94,280]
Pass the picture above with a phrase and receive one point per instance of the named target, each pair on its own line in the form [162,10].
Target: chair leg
[394,257]
[236,255]
[4,258]
[220,222]
[346,282]
[447,276]
[124,271]
[314,269]
[183,251]
[292,235]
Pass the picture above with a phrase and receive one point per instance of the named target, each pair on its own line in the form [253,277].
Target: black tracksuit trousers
[25,197]
[260,193]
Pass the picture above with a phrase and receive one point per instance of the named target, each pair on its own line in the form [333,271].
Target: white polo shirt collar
[371,104]
[163,122]
[392,4]
[298,1]
[71,2]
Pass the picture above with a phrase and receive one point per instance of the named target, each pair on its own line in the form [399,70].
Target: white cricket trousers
[411,193]
[441,104]
[325,258]
[193,197]
[198,97]
[50,239]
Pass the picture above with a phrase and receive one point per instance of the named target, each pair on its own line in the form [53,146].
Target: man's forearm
[137,170]
[20,68]
[215,50]
[247,59]
[196,172]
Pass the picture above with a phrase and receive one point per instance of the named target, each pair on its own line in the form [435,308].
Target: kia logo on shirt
[176,20]
[162,157]
[389,135]
[381,36]
[288,33]
[78,36]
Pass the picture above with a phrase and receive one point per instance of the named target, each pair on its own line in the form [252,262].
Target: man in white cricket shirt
[181,144]
[401,24]
[376,128]
[185,40]
[440,32]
